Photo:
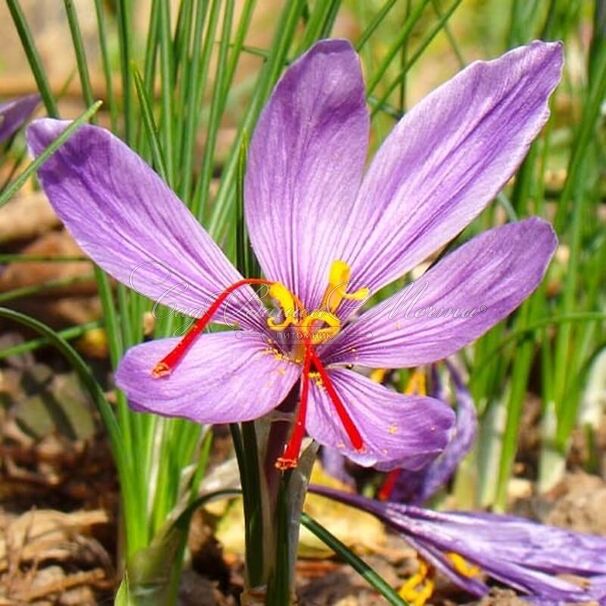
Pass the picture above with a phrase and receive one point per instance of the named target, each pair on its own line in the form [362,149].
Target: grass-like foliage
[170,92]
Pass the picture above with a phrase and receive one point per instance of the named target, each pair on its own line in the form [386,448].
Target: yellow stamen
[321,324]
[416,384]
[378,375]
[287,303]
[338,280]
[319,335]
[462,566]
[420,586]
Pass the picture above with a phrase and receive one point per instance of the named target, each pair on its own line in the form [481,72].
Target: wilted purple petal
[415,487]
[125,217]
[305,165]
[225,377]
[522,554]
[440,561]
[14,113]
[452,304]
[409,429]
[446,159]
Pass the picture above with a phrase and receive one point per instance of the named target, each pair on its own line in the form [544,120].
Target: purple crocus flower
[522,554]
[14,113]
[327,237]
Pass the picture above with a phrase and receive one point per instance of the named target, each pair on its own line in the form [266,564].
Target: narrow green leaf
[348,556]
[374,24]
[25,291]
[381,102]
[522,333]
[125,30]
[74,27]
[73,332]
[216,108]
[33,57]
[105,60]
[396,45]
[21,258]
[167,90]
[149,123]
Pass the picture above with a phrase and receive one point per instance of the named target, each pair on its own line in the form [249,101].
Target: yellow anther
[338,280]
[320,335]
[462,566]
[416,384]
[321,324]
[339,273]
[357,295]
[378,375]
[420,586]
[286,300]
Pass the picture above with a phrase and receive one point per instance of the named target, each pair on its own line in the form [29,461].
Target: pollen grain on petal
[316,378]
[276,353]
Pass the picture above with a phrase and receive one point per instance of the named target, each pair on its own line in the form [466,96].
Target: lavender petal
[132,225]
[447,158]
[225,377]
[452,304]
[412,430]
[304,167]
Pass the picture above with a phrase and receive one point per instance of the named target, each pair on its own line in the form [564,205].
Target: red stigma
[167,364]
[388,485]
[352,431]
[290,458]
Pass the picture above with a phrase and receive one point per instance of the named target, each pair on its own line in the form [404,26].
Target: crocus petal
[412,430]
[225,377]
[305,165]
[130,223]
[415,487]
[14,113]
[452,304]
[440,561]
[446,159]
[522,554]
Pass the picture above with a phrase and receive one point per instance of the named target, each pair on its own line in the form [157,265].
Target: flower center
[320,324]
[310,329]
[314,328]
